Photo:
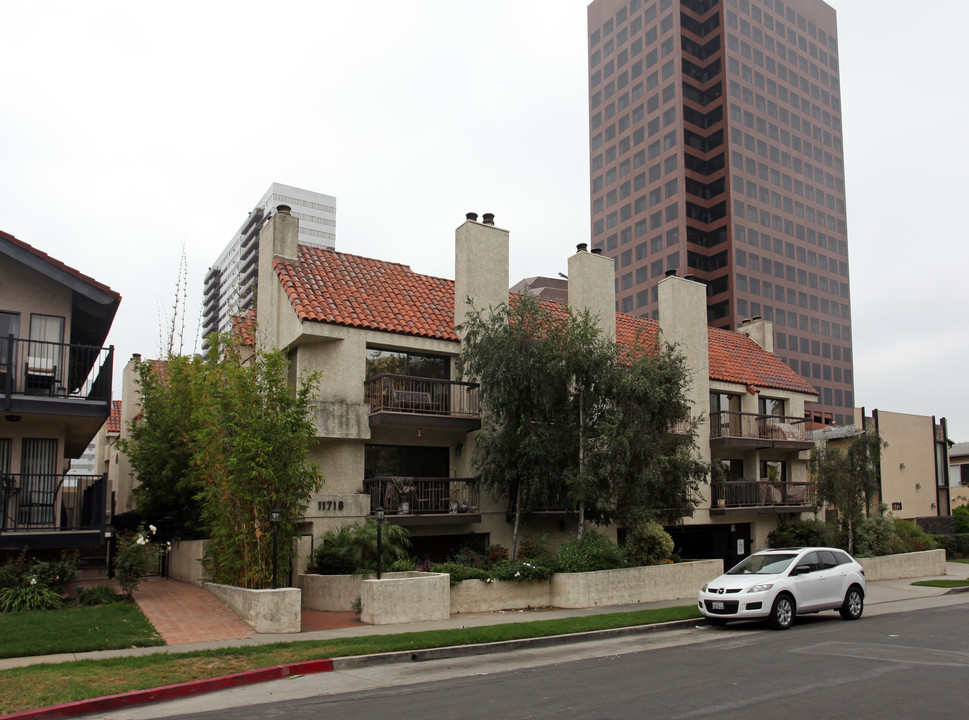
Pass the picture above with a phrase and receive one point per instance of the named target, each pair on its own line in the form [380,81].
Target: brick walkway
[183,613]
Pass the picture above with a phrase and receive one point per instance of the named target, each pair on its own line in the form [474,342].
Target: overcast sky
[129,131]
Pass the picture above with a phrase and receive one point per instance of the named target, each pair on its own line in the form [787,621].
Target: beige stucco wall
[267,611]
[185,561]
[626,586]
[405,597]
[592,287]
[480,268]
[329,592]
[930,563]
[475,596]
[908,464]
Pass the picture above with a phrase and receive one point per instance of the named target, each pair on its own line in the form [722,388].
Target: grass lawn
[75,629]
[943,583]
[39,686]
[958,560]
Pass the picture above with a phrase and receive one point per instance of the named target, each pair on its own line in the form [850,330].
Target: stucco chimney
[760,331]
[480,267]
[278,238]
[683,322]
[592,287]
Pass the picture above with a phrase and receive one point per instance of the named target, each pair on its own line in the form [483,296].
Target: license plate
[716,605]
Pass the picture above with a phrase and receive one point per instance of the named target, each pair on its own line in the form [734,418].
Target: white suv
[777,584]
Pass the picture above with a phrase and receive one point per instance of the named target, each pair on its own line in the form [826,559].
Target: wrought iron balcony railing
[727,424]
[33,367]
[762,494]
[34,502]
[423,396]
[422,496]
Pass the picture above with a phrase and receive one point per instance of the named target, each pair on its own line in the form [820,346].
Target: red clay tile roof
[58,264]
[342,289]
[244,328]
[114,419]
[337,288]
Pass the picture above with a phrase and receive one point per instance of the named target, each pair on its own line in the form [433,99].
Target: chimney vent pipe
[597,251]
[488,219]
[472,216]
[283,209]
[671,273]
[581,247]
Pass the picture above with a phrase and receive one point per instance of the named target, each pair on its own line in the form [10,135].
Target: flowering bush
[521,571]
[593,552]
[496,554]
[137,556]
[54,574]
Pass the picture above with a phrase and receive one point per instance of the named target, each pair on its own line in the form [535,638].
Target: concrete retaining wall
[626,586]
[329,592]
[267,611]
[928,563]
[470,596]
[185,561]
[405,597]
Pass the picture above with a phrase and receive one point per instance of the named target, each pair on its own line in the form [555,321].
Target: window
[38,467]
[773,470]
[394,362]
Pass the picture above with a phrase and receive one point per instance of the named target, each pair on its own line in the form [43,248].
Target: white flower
[153,529]
[33,581]
[517,574]
[141,540]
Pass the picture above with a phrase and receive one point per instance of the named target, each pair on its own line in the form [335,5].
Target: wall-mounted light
[457,449]
[419,433]
[918,486]
[901,466]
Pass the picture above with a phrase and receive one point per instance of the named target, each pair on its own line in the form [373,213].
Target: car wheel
[716,622]
[853,605]
[782,612]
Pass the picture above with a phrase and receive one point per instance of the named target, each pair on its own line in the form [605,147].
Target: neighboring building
[230,283]
[544,287]
[55,388]
[716,150]
[396,430]
[913,476]
[85,464]
[959,473]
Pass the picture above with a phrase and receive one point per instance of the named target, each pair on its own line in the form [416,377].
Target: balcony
[52,510]
[419,401]
[425,501]
[761,496]
[736,429]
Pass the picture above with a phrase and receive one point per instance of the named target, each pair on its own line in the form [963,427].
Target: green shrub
[909,537]
[468,556]
[955,546]
[400,565]
[874,536]
[99,595]
[800,533]
[357,544]
[31,596]
[55,574]
[961,515]
[459,572]
[137,556]
[495,554]
[521,571]
[593,551]
[534,549]
[331,560]
[649,544]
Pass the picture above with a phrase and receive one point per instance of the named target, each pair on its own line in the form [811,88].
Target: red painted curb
[173,692]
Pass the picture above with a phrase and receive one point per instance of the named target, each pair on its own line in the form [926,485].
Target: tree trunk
[581,466]
[518,514]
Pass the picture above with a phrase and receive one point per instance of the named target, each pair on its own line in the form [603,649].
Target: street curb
[278,672]
[173,692]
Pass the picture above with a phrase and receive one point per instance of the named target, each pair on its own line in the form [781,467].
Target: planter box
[928,563]
[627,586]
[267,611]
[471,596]
[405,597]
[329,592]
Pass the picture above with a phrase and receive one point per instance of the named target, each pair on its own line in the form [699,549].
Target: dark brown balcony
[407,400]
[761,496]
[736,429]
[52,510]
[425,501]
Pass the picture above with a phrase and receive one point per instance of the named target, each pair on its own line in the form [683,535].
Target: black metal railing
[34,367]
[726,424]
[34,502]
[422,496]
[761,493]
[426,396]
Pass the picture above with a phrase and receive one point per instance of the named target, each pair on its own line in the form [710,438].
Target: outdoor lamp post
[275,516]
[379,513]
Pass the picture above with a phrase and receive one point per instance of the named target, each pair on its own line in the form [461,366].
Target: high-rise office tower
[716,151]
[230,283]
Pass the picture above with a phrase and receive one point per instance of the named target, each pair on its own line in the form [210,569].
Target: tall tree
[570,420]
[848,478]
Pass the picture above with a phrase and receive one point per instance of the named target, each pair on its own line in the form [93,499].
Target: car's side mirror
[801,570]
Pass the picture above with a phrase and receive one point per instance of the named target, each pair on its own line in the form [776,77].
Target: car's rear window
[763,564]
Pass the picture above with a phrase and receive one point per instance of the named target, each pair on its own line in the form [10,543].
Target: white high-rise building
[230,283]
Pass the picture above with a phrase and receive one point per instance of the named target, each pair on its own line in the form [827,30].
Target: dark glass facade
[716,151]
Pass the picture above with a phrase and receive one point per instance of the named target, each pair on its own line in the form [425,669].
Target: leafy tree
[961,514]
[571,420]
[252,433]
[160,445]
[848,479]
